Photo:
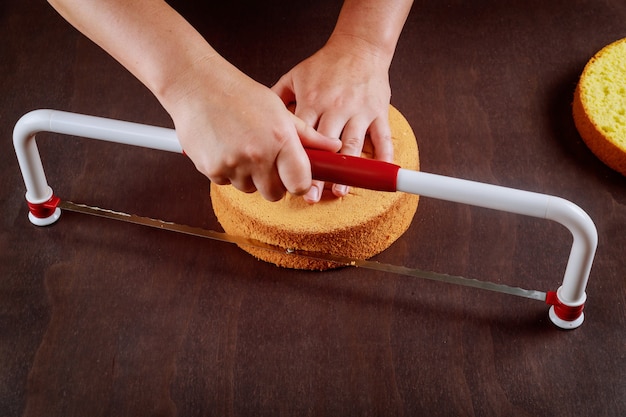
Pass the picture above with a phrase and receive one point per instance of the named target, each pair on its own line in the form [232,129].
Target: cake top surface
[293,213]
[603,91]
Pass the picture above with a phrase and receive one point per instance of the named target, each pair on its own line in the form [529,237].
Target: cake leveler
[566,303]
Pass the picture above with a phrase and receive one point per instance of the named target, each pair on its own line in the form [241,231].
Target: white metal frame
[566,303]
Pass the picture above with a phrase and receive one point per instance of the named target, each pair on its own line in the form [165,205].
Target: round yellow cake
[599,106]
[359,225]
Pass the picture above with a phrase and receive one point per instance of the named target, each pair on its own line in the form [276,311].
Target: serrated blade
[338,259]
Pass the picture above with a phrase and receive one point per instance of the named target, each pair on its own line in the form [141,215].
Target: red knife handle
[354,171]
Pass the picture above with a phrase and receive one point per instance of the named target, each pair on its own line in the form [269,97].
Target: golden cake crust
[359,225]
[599,106]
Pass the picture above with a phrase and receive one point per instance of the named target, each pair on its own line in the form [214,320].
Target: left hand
[343,91]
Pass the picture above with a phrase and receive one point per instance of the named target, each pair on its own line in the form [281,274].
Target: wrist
[205,82]
[175,87]
[361,47]
[372,25]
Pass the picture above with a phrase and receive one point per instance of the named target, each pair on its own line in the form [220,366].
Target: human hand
[236,131]
[342,90]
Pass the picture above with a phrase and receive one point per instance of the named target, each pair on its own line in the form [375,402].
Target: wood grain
[99,318]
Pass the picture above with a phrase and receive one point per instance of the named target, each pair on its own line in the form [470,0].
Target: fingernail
[341,189]
[313,195]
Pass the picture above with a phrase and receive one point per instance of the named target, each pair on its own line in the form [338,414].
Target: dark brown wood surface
[100,318]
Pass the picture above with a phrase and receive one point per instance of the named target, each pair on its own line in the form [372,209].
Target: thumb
[311,138]
[294,168]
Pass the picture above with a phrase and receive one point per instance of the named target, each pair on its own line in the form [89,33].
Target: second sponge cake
[599,106]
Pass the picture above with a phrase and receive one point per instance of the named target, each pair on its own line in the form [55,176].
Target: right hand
[237,131]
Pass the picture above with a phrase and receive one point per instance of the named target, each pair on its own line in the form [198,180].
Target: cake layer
[599,106]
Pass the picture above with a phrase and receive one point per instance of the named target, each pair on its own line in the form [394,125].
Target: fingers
[288,169]
[353,136]
[247,177]
[311,138]
[380,135]
[245,184]
[269,184]
[250,168]
[261,176]
[291,171]
[294,168]
[328,127]
[352,133]
[315,192]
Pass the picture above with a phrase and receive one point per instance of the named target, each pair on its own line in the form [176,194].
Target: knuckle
[351,143]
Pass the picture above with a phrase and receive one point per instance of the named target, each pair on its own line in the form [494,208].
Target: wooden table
[101,318]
